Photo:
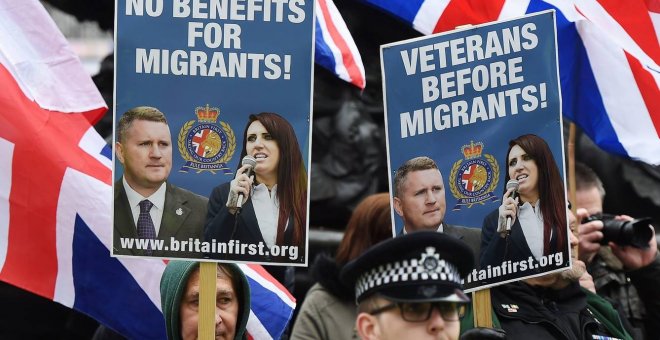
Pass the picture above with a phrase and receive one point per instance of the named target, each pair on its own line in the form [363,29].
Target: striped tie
[145,226]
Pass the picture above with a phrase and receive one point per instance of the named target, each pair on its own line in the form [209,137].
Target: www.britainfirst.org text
[555,260]
[197,246]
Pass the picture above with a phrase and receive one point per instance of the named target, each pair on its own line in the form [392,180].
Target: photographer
[628,276]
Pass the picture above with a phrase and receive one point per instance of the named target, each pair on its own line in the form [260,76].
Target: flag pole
[207,282]
[571,177]
[481,305]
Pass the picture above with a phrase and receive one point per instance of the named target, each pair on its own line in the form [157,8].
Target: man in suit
[146,206]
[419,198]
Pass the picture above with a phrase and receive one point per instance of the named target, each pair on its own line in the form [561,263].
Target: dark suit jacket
[188,224]
[220,224]
[514,247]
[471,236]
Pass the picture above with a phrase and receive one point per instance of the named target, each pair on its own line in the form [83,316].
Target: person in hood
[179,291]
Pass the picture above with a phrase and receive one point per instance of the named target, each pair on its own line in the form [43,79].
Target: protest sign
[459,98]
[208,65]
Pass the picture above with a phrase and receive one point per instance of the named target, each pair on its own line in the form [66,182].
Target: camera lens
[634,233]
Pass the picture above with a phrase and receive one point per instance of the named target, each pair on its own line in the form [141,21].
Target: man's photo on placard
[150,214]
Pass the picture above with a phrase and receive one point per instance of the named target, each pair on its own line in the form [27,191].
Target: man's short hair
[414,164]
[368,304]
[147,113]
[586,178]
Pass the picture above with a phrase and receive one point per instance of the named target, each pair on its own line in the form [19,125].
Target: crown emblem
[473,150]
[206,144]
[475,177]
[207,114]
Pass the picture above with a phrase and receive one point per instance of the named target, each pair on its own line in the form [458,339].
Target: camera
[634,233]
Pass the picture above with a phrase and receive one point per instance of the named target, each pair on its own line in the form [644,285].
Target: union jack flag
[56,191]
[608,60]
[467,176]
[335,49]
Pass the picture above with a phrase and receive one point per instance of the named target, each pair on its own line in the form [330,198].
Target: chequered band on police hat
[428,268]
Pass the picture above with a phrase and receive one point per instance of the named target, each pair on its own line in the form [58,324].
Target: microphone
[252,162]
[511,184]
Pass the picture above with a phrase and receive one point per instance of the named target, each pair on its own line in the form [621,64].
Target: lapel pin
[179,212]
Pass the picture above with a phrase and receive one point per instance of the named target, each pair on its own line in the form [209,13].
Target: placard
[208,65]
[459,98]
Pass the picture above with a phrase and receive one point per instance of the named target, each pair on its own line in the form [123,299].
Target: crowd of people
[388,284]
[381,284]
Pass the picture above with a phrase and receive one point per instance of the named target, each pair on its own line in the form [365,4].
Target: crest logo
[206,145]
[474,178]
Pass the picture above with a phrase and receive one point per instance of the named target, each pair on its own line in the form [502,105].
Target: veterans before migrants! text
[446,82]
[208,30]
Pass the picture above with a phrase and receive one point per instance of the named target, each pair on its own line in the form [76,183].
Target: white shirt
[531,221]
[157,198]
[441,229]
[267,208]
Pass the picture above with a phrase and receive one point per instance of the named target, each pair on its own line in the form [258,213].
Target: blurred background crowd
[348,153]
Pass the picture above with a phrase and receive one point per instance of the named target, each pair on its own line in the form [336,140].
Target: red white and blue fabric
[608,60]
[272,304]
[335,49]
[56,191]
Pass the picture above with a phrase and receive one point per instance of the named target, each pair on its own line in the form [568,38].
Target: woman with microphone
[531,221]
[265,205]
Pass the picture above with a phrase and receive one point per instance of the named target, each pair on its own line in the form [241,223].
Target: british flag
[56,191]
[335,49]
[467,177]
[608,60]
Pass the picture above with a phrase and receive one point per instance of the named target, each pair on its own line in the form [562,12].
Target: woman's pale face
[522,167]
[261,145]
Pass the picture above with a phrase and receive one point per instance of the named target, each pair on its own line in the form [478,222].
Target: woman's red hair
[370,223]
[550,186]
[291,175]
